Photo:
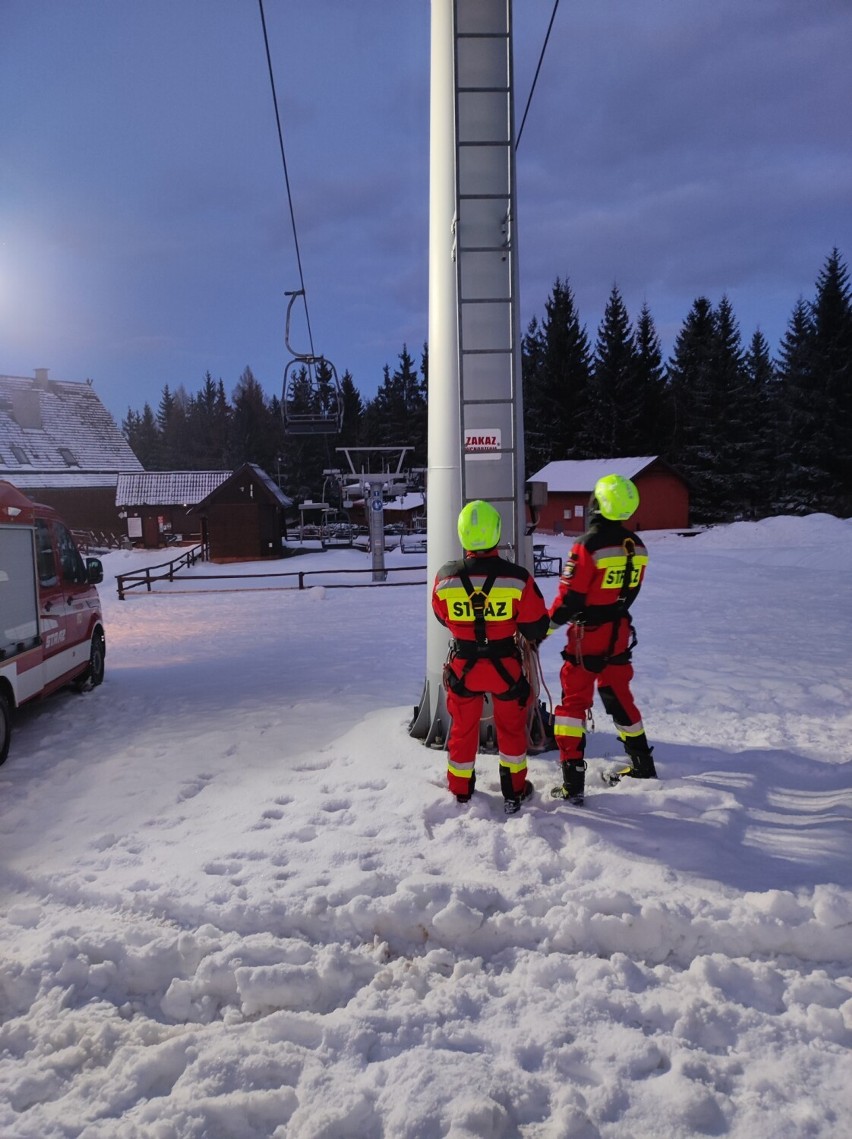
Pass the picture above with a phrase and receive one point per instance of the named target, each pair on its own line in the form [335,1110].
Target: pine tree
[730,420]
[832,362]
[557,377]
[207,428]
[803,478]
[654,418]
[173,433]
[615,399]
[762,410]
[353,412]
[254,436]
[536,433]
[143,436]
[396,416]
[690,387]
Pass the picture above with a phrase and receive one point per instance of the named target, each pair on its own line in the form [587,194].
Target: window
[69,556]
[70,458]
[20,454]
[44,554]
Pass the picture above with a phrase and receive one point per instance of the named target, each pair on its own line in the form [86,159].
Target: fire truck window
[69,556]
[44,554]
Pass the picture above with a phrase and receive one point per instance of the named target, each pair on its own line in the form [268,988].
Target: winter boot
[642,760]
[512,805]
[469,793]
[573,786]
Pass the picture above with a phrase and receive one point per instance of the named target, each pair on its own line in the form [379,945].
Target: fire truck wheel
[94,674]
[5,726]
[97,660]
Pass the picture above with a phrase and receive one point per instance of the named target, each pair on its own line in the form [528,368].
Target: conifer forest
[756,430]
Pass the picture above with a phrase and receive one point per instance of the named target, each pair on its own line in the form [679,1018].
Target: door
[80,598]
[54,631]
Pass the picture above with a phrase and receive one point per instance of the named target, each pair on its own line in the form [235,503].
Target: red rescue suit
[484,600]
[601,580]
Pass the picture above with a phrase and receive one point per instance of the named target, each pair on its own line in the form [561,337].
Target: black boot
[512,804]
[469,794]
[573,786]
[642,758]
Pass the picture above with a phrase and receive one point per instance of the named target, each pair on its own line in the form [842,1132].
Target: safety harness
[600,661]
[481,648]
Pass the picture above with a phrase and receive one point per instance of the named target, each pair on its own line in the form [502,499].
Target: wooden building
[663,493]
[244,518]
[60,445]
[155,506]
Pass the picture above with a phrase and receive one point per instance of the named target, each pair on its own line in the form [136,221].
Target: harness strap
[483,649]
[599,663]
[478,599]
[471,650]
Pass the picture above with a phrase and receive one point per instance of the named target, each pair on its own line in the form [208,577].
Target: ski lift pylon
[312,399]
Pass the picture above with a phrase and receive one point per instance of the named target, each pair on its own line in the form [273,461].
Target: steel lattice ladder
[485,257]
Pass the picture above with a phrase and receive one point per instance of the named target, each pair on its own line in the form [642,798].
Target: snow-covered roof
[58,433]
[32,483]
[258,474]
[271,485]
[578,476]
[167,488]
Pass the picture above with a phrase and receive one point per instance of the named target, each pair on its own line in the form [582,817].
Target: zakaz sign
[482,443]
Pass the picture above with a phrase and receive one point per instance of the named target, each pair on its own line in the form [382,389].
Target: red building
[663,493]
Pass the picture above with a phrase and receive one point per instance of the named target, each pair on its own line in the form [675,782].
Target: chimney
[41,380]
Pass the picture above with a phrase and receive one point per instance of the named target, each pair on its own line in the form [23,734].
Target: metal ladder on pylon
[486,271]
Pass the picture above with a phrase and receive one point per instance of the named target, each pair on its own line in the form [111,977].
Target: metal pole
[443,476]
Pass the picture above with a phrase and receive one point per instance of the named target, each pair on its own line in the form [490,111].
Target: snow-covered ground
[238,902]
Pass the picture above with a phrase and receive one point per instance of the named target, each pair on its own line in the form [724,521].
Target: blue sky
[673,147]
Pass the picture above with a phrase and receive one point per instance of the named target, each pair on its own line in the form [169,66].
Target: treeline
[754,434]
[210,431]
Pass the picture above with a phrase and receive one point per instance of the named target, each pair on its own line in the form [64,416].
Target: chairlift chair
[312,399]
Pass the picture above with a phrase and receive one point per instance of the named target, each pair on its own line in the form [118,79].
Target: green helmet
[616,497]
[479,526]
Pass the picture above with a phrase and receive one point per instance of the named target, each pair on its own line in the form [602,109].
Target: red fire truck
[51,625]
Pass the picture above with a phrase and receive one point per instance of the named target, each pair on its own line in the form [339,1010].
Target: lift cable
[537,70]
[286,175]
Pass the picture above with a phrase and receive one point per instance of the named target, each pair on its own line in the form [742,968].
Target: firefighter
[484,600]
[601,579]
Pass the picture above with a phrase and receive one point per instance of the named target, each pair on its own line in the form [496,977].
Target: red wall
[663,505]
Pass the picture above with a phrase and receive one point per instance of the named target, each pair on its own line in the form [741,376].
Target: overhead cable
[286,174]
[535,77]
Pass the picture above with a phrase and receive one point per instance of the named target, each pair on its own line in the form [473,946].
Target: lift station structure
[384,481]
[475,426]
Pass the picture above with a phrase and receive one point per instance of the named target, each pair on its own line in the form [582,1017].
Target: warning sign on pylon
[482,443]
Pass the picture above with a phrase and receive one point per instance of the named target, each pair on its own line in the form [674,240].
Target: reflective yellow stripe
[462,770]
[633,730]
[620,558]
[513,763]
[568,730]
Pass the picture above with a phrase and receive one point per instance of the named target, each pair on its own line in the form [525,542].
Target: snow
[239,903]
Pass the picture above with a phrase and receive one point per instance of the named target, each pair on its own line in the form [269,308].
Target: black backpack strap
[629,547]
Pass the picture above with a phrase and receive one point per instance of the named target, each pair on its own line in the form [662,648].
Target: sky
[672,147]
[237,900]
